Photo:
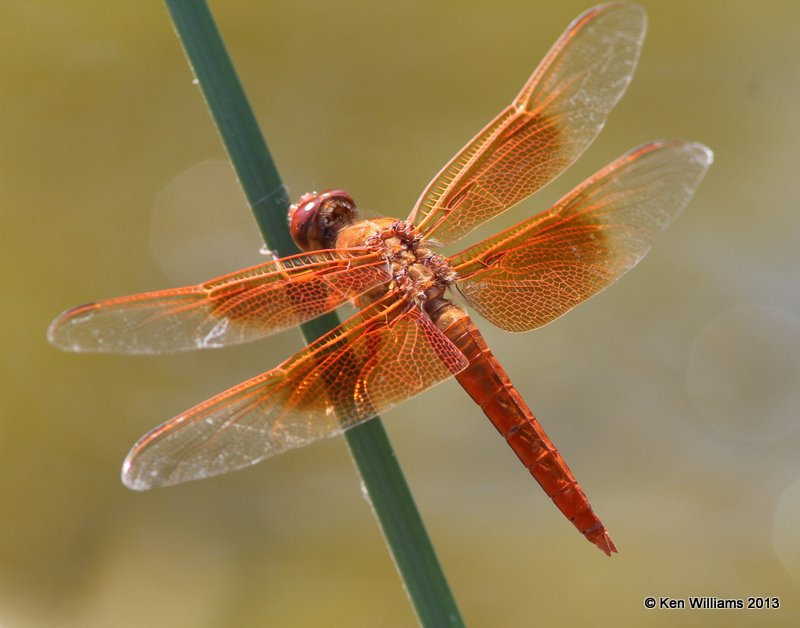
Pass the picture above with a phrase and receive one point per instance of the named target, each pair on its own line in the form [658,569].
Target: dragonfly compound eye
[315,219]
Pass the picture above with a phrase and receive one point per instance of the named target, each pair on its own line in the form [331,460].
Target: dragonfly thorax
[416,270]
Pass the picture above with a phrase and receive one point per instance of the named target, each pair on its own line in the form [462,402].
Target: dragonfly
[409,332]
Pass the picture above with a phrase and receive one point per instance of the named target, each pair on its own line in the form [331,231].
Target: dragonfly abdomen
[489,386]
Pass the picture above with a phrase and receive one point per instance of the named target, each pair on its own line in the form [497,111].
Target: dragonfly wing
[541,268]
[554,118]
[381,356]
[236,308]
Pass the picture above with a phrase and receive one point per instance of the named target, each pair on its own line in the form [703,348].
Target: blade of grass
[369,445]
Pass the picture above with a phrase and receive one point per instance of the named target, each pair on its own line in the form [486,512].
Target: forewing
[554,118]
[236,308]
[539,269]
[383,355]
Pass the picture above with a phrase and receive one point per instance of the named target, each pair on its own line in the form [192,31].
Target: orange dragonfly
[408,334]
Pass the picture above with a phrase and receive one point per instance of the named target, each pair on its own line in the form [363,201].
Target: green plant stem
[369,445]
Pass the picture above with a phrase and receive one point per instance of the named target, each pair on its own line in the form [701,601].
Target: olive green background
[674,396]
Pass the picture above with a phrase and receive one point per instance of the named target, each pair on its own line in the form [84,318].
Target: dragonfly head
[315,220]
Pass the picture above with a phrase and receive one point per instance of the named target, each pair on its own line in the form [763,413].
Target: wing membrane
[383,355]
[536,271]
[554,118]
[236,308]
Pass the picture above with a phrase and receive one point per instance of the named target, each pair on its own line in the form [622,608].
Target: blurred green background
[674,396]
